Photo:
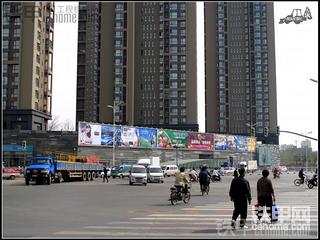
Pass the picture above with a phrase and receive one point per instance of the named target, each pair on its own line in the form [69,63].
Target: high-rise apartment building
[240,69]
[27,51]
[142,54]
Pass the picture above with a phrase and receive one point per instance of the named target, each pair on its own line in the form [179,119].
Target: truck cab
[40,169]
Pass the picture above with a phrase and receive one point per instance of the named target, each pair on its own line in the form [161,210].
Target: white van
[155,174]
[138,174]
[170,170]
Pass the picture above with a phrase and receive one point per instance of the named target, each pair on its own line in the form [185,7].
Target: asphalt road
[117,210]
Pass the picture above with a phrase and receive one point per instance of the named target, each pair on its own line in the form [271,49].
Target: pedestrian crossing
[210,220]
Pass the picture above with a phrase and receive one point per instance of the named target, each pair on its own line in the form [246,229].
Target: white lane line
[217,215]
[146,228]
[173,235]
[210,218]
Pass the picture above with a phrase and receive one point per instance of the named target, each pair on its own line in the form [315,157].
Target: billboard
[107,135]
[225,142]
[264,155]
[129,137]
[252,144]
[200,141]
[147,137]
[89,134]
[241,143]
[172,138]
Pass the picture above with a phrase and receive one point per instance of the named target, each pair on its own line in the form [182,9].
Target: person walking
[265,195]
[240,194]
[105,174]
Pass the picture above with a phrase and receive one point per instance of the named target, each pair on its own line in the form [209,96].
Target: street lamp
[306,147]
[114,128]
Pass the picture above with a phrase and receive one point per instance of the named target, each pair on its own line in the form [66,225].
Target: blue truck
[48,169]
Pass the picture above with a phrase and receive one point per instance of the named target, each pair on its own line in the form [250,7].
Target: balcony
[49,45]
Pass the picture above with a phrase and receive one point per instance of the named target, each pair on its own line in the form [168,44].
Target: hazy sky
[296,62]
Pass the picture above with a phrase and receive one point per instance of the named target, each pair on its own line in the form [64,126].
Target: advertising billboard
[264,155]
[89,134]
[172,138]
[224,142]
[252,144]
[129,137]
[200,141]
[241,143]
[147,137]
[107,135]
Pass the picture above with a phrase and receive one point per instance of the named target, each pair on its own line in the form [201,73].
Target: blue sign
[16,148]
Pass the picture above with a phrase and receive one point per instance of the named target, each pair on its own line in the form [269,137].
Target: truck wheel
[84,176]
[12,177]
[49,179]
[27,181]
[93,175]
[89,176]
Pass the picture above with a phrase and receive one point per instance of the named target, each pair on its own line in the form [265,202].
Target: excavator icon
[296,16]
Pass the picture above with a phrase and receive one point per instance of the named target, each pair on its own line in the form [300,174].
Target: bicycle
[205,188]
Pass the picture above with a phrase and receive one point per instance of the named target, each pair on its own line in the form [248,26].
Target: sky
[296,48]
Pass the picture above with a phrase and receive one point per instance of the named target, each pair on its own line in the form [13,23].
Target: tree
[67,125]
[54,124]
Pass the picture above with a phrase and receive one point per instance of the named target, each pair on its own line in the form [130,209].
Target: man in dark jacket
[265,194]
[240,194]
[105,174]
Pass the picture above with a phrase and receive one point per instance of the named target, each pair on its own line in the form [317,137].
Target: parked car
[283,169]
[227,171]
[121,171]
[138,174]
[10,173]
[170,170]
[154,174]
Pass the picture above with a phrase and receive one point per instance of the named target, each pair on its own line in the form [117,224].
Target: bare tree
[67,125]
[54,124]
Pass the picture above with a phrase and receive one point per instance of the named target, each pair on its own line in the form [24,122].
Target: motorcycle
[313,182]
[193,177]
[215,178]
[178,194]
[276,175]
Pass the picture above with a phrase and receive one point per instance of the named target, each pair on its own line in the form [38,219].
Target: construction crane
[296,16]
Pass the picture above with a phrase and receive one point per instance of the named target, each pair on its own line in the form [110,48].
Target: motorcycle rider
[215,174]
[193,174]
[276,172]
[204,177]
[181,181]
[301,175]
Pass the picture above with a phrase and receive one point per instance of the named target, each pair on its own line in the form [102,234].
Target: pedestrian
[265,195]
[105,174]
[240,194]
[235,173]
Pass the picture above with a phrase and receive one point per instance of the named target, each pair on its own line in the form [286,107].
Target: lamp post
[306,152]
[114,128]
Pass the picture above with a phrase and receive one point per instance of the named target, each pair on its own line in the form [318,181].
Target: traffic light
[24,144]
[266,131]
[278,131]
[253,132]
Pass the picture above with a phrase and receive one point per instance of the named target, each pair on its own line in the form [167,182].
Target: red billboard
[200,141]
